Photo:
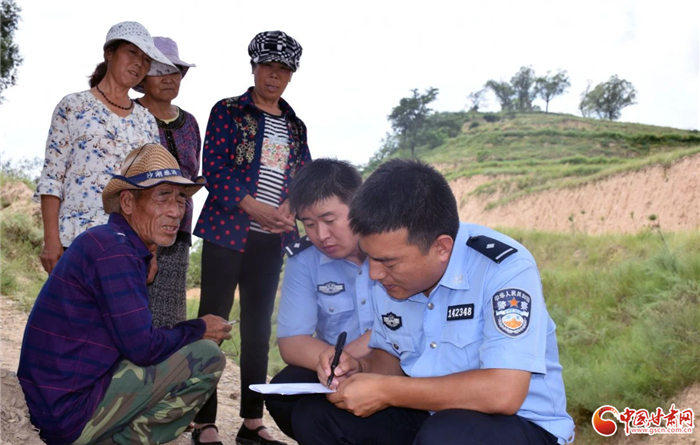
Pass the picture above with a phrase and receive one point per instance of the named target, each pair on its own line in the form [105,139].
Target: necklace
[112,103]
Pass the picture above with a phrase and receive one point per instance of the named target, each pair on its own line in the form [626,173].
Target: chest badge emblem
[331,288]
[392,321]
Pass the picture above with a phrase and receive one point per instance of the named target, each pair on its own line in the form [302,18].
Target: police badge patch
[331,288]
[392,321]
[511,311]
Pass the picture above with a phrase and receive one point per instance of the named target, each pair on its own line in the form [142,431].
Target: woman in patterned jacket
[253,148]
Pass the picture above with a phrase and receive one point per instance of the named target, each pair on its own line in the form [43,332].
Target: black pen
[339,344]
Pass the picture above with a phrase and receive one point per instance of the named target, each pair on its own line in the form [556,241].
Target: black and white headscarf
[275,46]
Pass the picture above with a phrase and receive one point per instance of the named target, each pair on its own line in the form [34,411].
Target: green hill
[526,153]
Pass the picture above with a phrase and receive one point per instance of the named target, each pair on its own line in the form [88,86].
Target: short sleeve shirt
[481,315]
[325,297]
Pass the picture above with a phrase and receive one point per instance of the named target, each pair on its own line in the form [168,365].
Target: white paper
[289,389]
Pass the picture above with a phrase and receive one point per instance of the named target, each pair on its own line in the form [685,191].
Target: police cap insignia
[511,311]
[491,248]
[298,246]
[331,288]
[392,321]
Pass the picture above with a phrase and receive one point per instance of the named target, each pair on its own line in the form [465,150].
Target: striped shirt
[91,314]
[273,162]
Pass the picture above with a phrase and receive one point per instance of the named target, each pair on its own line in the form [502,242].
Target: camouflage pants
[154,404]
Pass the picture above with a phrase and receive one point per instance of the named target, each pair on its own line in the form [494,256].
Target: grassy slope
[21,238]
[627,315]
[525,153]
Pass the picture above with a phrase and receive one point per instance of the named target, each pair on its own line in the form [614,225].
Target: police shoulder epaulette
[298,246]
[494,249]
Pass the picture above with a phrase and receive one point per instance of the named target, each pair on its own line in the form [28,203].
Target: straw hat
[144,168]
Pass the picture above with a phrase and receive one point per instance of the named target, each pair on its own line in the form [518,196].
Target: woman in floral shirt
[90,135]
[253,148]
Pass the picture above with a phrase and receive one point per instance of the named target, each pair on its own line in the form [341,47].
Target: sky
[361,57]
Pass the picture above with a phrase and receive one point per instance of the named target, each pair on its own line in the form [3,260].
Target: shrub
[490,117]
[22,274]
[24,170]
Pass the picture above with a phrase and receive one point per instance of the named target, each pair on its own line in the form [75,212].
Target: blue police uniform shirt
[483,314]
[324,296]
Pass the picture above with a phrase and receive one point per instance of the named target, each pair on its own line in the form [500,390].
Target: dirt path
[15,428]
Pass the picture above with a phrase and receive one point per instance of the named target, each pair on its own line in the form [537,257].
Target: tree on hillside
[477,99]
[583,105]
[438,127]
[549,86]
[408,117]
[608,99]
[9,52]
[504,93]
[523,84]
[389,146]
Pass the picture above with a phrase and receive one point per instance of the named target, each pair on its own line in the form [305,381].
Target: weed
[627,315]
[22,274]
[572,223]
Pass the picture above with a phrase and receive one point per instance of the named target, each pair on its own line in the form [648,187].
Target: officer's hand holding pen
[347,366]
[338,351]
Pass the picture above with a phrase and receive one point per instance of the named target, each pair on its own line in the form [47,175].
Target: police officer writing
[464,349]
[326,285]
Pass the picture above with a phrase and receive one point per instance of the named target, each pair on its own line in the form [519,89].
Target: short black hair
[323,179]
[406,194]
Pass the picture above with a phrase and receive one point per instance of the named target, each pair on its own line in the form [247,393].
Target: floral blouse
[87,144]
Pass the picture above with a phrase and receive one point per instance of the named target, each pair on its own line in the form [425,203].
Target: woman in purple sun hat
[179,133]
